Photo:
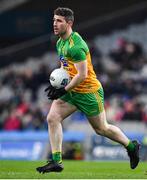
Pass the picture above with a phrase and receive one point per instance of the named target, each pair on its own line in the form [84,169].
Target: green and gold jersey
[73,50]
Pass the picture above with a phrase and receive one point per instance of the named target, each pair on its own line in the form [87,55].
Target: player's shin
[56,135]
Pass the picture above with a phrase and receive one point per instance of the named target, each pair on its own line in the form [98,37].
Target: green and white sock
[130,146]
[57,157]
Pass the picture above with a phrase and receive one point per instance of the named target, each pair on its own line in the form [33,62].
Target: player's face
[60,25]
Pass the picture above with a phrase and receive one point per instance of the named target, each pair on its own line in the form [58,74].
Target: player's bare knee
[53,119]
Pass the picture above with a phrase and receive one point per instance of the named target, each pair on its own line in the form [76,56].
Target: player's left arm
[81,68]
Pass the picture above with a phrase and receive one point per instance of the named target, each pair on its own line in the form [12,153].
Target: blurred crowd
[20,107]
[123,73]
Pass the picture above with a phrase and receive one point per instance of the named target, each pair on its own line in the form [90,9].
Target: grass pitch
[73,170]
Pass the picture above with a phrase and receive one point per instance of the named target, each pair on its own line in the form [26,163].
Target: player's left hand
[53,93]
[58,93]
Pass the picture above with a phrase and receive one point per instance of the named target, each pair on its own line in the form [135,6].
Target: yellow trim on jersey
[71,42]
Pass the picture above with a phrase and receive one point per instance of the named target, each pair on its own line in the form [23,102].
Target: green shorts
[91,104]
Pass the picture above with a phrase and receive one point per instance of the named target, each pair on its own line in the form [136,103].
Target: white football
[59,78]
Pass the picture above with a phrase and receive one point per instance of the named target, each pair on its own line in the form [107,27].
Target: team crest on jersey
[63,61]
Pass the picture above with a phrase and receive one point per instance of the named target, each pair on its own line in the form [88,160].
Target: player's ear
[70,23]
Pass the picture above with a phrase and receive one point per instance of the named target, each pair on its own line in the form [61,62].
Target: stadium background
[116,33]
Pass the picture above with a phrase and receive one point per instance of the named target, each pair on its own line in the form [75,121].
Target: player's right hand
[50,90]
[53,93]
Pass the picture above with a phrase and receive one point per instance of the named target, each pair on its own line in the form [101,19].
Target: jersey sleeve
[78,53]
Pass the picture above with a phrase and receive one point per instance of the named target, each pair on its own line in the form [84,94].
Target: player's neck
[67,34]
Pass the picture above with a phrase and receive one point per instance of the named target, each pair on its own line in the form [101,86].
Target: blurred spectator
[38,121]
[12,122]
[132,111]
[6,93]
[129,55]
[133,56]
[129,88]
[118,53]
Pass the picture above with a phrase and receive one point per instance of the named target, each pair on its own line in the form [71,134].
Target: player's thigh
[60,110]
[99,121]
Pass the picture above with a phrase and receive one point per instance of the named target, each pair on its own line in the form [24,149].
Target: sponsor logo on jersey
[63,61]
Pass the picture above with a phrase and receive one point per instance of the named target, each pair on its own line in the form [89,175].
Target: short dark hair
[66,12]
